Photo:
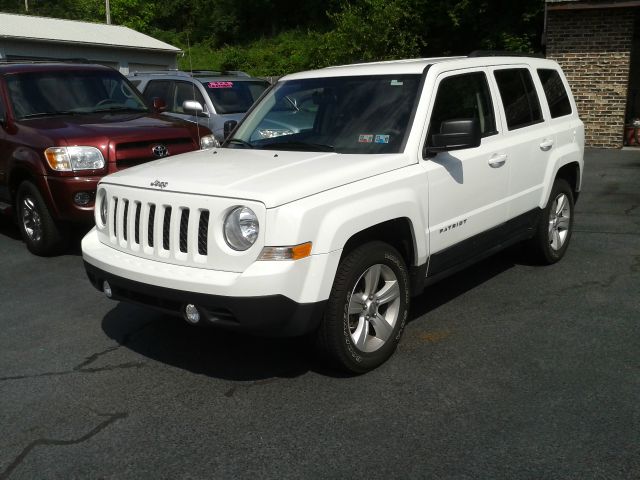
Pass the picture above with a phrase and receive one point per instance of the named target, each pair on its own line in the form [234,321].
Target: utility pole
[26,5]
[106,4]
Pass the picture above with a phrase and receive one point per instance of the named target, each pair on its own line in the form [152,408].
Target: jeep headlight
[72,159]
[208,141]
[241,228]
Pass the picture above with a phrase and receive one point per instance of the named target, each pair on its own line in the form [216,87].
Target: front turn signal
[295,252]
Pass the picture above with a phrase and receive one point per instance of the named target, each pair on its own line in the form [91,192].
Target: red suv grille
[129,154]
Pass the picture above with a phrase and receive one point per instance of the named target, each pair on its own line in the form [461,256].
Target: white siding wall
[123,59]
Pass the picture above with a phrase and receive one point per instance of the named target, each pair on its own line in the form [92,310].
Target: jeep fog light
[296,252]
[106,288]
[191,313]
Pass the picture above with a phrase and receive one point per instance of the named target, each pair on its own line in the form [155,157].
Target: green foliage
[371,30]
[274,37]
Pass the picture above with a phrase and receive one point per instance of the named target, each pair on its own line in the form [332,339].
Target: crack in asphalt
[112,418]
[82,367]
[629,210]
[635,266]
[603,232]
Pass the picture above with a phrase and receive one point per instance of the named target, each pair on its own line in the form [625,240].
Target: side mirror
[455,135]
[229,125]
[159,105]
[193,107]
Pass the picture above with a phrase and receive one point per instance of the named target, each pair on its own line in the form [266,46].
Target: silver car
[206,97]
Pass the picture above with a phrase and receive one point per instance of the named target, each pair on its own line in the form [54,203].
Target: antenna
[193,88]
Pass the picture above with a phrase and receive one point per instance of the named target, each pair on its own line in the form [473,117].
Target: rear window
[519,97]
[232,96]
[556,93]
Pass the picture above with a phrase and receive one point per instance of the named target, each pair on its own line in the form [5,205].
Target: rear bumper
[272,315]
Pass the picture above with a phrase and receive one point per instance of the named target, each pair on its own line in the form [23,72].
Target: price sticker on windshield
[220,84]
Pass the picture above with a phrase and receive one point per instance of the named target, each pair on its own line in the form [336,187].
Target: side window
[185,91]
[464,96]
[555,92]
[158,89]
[519,97]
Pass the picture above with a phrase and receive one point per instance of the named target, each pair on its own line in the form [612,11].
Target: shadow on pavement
[221,354]
[207,350]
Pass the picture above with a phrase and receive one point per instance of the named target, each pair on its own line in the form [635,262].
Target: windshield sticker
[220,84]
[365,138]
[396,83]
[382,139]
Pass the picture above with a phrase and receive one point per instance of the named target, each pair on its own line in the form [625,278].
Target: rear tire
[367,309]
[39,230]
[555,226]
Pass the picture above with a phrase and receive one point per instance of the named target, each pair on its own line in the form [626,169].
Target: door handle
[497,160]
[546,144]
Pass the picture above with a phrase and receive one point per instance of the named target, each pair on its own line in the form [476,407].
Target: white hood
[271,177]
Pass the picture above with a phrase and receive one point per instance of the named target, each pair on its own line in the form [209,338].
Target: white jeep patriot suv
[344,192]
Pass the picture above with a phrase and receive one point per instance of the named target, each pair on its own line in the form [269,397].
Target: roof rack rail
[502,53]
[193,73]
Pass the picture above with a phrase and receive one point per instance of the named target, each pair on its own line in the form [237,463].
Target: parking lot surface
[507,370]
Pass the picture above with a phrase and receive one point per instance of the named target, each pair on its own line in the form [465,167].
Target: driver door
[467,188]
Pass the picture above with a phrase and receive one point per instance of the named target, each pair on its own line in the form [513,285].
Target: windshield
[37,94]
[341,114]
[233,96]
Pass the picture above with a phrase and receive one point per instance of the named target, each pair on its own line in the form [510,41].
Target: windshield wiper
[303,146]
[240,142]
[118,109]
[49,114]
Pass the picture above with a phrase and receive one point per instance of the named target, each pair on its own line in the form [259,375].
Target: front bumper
[269,298]
[62,190]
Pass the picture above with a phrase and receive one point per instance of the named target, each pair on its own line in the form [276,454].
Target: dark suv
[62,128]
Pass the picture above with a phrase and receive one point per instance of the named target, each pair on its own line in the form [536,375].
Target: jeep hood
[271,177]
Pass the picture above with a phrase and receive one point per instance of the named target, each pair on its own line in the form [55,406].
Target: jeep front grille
[176,228]
[161,226]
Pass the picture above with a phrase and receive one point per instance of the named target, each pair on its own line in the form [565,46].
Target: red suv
[62,128]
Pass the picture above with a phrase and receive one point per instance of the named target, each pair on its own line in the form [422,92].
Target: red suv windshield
[38,94]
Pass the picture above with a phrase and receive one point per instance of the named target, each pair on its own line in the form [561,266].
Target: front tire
[553,234]
[38,228]
[367,309]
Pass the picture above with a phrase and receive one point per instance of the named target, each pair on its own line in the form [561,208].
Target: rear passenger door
[528,139]
[467,188]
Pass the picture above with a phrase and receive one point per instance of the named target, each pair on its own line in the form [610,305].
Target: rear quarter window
[519,97]
[555,92]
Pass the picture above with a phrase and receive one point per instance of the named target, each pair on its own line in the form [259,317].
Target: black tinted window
[231,96]
[555,92]
[519,97]
[158,89]
[461,97]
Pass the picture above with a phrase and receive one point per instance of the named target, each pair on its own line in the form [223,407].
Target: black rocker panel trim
[482,245]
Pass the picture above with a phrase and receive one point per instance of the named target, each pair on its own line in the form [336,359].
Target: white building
[26,37]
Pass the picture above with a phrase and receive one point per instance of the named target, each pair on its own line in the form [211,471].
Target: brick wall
[593,47]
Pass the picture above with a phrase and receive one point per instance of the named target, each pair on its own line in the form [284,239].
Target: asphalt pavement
[507,370]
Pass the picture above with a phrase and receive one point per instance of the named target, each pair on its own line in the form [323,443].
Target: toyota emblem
[160,151]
